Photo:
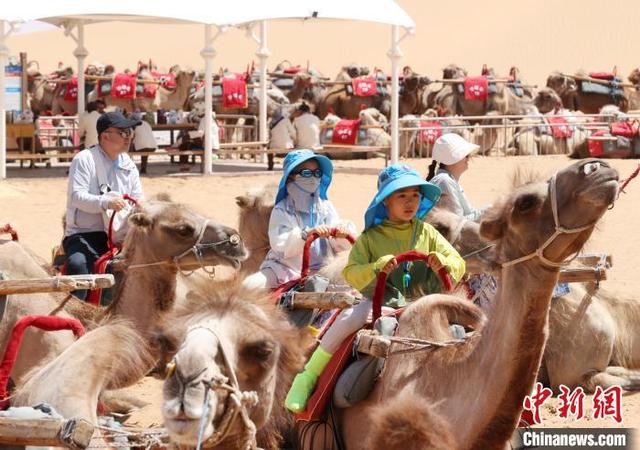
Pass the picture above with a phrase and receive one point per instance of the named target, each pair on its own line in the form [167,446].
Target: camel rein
[237,403]
[539,252]
[196,249]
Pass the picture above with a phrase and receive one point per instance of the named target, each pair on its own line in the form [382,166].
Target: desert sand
[33,201]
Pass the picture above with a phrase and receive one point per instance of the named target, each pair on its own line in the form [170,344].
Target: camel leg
[627,379]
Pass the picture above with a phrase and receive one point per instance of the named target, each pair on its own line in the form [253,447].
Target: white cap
[451,148]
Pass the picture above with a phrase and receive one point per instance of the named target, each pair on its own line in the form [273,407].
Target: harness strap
[539,252]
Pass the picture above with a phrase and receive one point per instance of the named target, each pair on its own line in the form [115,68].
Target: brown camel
[225,332]
[160,231]
[634,92]
[347,106]
[570,91]
[255,211]
[42,90]
[166,99]
[497,370]
[112,356]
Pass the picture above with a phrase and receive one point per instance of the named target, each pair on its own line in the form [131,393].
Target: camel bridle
[197,248]
[559,230]
[237,401]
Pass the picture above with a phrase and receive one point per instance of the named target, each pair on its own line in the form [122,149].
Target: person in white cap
[451,154]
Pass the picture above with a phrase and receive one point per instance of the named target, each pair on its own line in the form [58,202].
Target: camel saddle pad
[364,86]
[167,80]
[234,91]
[602,75]
[346,132]
[595,88]
[70,90]
[146,90]
[324,389]
[476,88]
[625,128]
[560,127]
[124,86]
[432,131]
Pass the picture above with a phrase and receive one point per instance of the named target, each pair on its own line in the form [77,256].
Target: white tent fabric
[73,14]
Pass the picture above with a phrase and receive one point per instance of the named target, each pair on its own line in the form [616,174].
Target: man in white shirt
[143,140]
[87,123]
[282,131]
[98,178]
[307,128]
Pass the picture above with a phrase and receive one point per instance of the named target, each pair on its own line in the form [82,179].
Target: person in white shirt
[98,178]
[307,128]
[282,131]
[143,140]
[87,123]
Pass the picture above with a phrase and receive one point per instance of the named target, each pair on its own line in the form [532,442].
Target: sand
[537,36]
[35,206]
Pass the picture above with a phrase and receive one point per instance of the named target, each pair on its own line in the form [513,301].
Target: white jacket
[285,237]
[282,135]
[85,203]
[307,130]
[87,128]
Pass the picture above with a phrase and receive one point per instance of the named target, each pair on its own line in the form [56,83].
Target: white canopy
[74,14]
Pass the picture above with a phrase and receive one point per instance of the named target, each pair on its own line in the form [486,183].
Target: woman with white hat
[451,154]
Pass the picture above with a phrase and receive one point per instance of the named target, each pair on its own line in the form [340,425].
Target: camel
[162,234]
[112,356]
[412,88]
[570,91]
[497,369]
[227,335]
[255,211]
[340,102]
[166,99]
[43,92]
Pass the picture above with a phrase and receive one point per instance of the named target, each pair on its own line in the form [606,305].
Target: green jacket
[378,245]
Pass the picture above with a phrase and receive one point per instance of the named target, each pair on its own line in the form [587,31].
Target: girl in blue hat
[301,207]
[393,225]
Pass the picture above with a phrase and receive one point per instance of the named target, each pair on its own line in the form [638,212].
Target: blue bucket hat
[393,178]
[297,157]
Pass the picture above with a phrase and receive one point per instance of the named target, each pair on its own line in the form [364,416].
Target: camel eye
[526,203]
[260,351]
[185,230]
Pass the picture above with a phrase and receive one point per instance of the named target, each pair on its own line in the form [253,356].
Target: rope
[627,180]
[418,345]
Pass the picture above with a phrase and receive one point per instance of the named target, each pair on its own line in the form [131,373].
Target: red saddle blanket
[364,86]
[602,75]
[476,88]
[167,80]
[292,70]
[346,132]
[124,86]
[625,128]
[146,90]
[560,127]
[431,134]
[234,91]
[71,90]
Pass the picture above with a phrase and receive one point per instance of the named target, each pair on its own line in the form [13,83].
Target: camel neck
[506,360]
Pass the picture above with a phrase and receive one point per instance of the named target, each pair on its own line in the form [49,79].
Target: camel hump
[410,423]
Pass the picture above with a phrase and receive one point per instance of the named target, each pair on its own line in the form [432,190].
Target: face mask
[308,185]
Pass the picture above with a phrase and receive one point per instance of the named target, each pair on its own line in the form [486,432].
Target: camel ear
[141,220]
[243,201]
[492,228]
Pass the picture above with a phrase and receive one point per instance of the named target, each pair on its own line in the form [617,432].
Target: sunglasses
[308,173]
[124,134]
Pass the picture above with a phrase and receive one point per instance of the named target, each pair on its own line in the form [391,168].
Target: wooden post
[74,433]
[24,82]
[322,300]
[373,344]
[64,283]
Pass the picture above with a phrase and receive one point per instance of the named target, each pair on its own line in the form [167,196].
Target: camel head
[524,222]
[634,76]
[166,231]
[563,85]
[465,237]
[354,70]
[303,79]
[229,334]
[255,210]
[453,71]
[547,100]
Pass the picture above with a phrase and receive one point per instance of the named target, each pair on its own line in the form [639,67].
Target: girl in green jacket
[393,225]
